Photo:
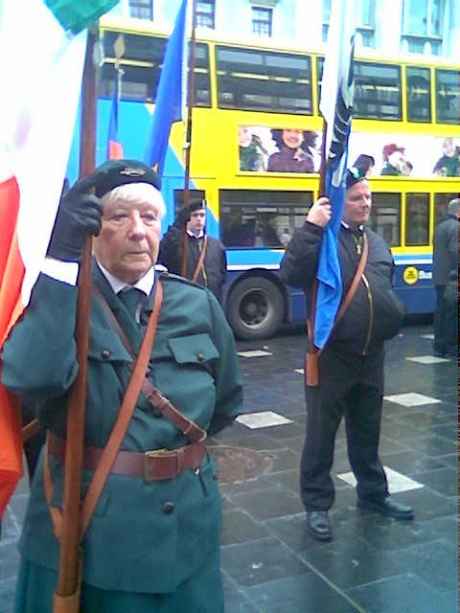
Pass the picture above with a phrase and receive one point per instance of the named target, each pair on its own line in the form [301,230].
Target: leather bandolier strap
[200,263]
[311,368]
[110,451]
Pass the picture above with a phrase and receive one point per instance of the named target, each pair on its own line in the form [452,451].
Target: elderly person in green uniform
[152,544]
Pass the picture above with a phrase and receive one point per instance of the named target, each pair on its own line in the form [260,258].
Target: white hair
[136,193]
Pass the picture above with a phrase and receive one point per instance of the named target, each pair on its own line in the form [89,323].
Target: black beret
[354,175]
[114,173]
[195,206]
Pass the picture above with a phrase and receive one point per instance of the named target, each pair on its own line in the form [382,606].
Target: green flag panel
[76,15]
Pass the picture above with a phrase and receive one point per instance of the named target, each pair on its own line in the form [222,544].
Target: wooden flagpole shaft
[311,368]
[322,166]
[69,562]
[188,135]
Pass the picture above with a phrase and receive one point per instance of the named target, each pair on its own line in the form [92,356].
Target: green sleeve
[39,357]
[229,391]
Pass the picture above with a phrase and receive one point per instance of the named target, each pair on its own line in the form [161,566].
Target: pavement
[270,563]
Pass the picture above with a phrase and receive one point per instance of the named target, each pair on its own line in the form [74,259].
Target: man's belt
[156,465]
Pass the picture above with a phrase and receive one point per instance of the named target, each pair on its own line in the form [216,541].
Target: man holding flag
[150,509]
[346,271]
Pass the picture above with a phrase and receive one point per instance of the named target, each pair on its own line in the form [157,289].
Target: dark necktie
[131,298]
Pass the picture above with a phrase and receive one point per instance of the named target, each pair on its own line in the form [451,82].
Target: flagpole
[188,134]
[323,161]
[67,596]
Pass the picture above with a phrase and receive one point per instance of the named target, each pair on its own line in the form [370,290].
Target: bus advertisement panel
[255,156]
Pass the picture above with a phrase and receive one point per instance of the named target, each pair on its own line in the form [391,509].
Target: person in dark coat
[445,260]
[351,364]
[213,269]
[152,543]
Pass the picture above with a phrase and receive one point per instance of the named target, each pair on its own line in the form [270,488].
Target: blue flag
[171,96]
[336,106]
[114,147]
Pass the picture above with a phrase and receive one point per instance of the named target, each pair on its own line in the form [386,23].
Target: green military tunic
[144,537]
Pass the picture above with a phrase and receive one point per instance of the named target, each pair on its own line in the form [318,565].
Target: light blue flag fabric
[114,147]
[171,96]
[336,107]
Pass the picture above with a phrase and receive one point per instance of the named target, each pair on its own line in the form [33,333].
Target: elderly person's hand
[320,213]
[79,215]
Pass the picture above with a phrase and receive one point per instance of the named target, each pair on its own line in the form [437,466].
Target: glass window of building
[422,26]
[418,94]
[141,9]
[365,27]
[326,17]
[262,21]
[386,217]
[365,20]
[417,219]
[448,96]
[205,13]
[254,79]
[261,218]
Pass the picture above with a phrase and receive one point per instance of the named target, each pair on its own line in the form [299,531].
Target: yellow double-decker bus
[255,155]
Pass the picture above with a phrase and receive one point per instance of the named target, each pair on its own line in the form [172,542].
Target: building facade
[429,28]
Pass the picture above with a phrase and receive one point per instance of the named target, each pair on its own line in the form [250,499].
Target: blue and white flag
[336,107]
[171,99]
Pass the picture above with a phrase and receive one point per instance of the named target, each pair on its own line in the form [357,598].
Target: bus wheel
[255,308]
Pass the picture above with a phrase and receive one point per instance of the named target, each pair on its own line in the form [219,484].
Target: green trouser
[202,593]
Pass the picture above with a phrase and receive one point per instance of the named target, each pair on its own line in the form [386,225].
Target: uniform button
[168,507]
[157,413]
[105,354]
[200,357]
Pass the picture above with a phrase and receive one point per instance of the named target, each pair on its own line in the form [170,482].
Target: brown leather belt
[155,465]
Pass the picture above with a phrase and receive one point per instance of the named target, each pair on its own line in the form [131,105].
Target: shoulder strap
[188,427]
[200,263]
[311,369]
[356,280]
[119,430]
[124,416]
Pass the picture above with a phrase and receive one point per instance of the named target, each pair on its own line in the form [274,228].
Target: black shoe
[319,525]
[386,506]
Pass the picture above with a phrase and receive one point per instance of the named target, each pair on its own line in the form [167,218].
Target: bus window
[417,219]
[202,88]
[386,217]
[253,80]
[137,83]
[448,96]
[252,218]
[141,64]
[440,206]
[418,94]
[319,76]
[377,91]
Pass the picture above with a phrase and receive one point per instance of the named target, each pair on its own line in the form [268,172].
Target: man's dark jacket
[215,262]
[375,313]
[445,250]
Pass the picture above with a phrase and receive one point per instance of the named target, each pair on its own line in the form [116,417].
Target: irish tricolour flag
[41,79]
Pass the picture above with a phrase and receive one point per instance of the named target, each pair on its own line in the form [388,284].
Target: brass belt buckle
[149,471]
[156,452]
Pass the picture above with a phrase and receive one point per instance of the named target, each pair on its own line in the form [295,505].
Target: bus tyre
[255,308]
